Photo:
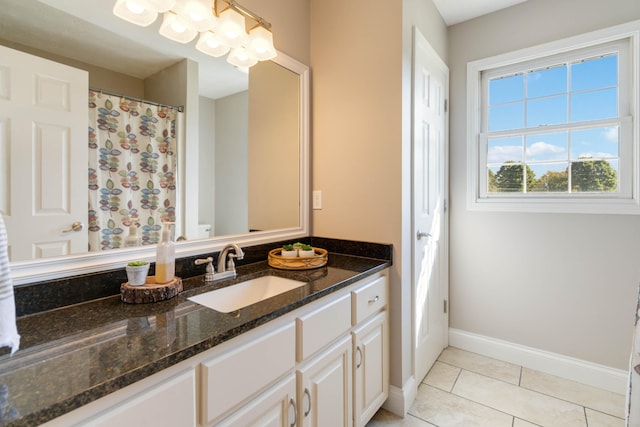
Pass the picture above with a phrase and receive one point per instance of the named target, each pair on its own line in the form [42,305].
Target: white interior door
[430,225]
[43,155]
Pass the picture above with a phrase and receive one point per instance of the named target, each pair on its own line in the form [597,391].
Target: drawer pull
[373,300]
[306,393]
[359,352]
[295,412]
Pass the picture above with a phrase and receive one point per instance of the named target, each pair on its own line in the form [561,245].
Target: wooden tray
[298,263]
[150,291]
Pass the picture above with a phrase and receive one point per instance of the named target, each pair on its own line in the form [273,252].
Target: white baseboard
[400,399]
[581,371]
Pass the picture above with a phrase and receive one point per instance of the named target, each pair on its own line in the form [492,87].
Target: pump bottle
[165,257]
[133,239]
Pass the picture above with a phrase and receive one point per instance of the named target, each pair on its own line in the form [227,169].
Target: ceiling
[88,32]
[456,11]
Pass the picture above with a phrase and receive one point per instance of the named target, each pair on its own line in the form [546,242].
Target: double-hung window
[552,128]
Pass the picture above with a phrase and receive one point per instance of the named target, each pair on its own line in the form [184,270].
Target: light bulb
[241,58]
[261,44]
[135,7]
[231,28]
[197,14]
[174,28]
[135,11]
[210,44]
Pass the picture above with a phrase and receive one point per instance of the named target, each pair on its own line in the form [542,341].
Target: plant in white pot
[137,272]
[306,251]
[289,251]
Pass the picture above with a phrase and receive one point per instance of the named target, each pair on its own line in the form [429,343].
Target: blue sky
[565,94]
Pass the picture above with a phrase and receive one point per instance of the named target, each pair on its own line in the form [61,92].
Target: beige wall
[360,61]
[556,282]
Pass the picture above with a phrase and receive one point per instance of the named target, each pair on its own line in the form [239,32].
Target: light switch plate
[317,199]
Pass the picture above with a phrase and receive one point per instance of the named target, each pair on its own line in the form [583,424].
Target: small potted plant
[137,272]
[289,251]
[306,251]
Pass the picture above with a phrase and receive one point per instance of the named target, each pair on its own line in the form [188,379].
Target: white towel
[8,330]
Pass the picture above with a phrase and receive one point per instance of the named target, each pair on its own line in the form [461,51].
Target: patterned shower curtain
[132,169]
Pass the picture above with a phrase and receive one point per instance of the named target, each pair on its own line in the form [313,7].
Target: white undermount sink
[235,297]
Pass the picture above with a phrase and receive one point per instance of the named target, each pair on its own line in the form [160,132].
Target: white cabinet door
[370,368]
[43,145]
[324,387]
[275,407]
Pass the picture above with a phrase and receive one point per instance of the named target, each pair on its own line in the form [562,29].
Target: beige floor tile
[442,376]
[598,419]
[384,418]
[522,403]
[493,368]
[447,410]
[590,397]
[517,422]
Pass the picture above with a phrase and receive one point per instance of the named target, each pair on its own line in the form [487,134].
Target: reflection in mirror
[242,167]
[255,172]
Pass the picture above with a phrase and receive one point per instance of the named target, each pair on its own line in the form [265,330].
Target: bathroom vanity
[315,355]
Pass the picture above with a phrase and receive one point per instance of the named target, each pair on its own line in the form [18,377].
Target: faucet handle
[208,276]
[231,265]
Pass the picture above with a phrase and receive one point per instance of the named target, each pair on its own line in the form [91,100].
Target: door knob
[76,226]
[422,234]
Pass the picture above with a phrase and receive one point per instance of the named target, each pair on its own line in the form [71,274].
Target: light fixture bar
[246,12]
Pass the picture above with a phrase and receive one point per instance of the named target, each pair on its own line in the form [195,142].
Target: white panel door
[324,388]
[430,257]
[43,155]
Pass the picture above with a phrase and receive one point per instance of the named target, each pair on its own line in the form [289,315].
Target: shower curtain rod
[121,95]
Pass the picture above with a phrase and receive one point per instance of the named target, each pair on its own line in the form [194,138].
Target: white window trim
[597,204]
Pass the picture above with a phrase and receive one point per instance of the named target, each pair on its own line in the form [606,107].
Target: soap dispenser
[165,257]
[133,239]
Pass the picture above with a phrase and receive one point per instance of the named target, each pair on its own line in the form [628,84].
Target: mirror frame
[24,272]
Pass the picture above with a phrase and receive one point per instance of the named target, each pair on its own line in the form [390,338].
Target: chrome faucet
[228,268]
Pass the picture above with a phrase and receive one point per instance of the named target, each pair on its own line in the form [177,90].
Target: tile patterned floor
[465,389]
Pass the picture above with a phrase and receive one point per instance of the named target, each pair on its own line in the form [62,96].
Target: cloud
[535,152]
[598,155]
[544,151]
[503,153]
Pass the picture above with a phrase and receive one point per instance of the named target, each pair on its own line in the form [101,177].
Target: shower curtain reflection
[132,169]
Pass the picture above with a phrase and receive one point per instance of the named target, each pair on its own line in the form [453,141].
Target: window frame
[627,200]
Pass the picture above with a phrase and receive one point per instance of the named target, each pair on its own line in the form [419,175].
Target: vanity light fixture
[221,31]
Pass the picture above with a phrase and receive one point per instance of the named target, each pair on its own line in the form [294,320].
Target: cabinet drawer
[230,378]
[173,402]
[319,327]
[369,299]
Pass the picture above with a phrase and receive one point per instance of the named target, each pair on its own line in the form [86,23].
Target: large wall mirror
[243,157]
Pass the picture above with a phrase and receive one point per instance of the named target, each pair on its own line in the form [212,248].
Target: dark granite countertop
[74,355]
